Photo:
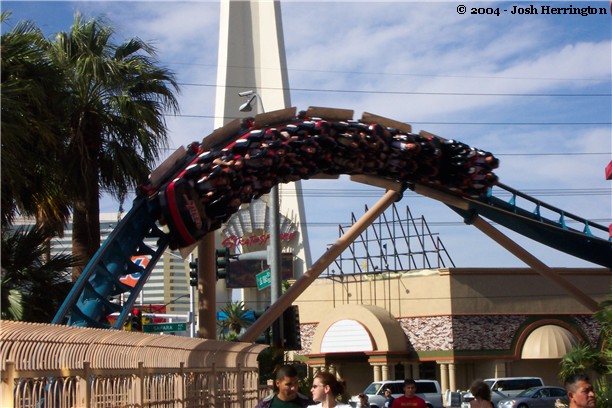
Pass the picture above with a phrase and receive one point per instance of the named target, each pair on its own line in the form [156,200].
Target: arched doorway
[361,343]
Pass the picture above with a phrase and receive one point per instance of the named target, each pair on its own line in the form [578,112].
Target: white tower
[252,57]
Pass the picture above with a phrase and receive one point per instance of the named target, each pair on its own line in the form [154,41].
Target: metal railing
[56,366]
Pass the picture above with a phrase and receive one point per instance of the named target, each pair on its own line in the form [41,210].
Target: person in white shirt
[326,389]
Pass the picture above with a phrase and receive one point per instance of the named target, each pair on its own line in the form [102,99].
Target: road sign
[165,327]
[264,279]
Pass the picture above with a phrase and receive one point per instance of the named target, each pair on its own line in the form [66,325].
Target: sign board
[242,273]
[264,279]
[164,327]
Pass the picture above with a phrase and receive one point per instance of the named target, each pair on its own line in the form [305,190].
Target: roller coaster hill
[201,185]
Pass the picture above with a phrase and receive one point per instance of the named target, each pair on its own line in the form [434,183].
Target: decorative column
[500,369]
[415,370]
[385,372]
[443,377]
[377,372]
[407,370]
[317,368]
[452,377]
[338,368]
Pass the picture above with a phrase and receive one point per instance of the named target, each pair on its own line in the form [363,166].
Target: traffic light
[222,263]
[136,320]
[291,329]
[193,273]
[266,336]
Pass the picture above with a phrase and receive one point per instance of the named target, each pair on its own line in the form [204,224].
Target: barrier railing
[56,366]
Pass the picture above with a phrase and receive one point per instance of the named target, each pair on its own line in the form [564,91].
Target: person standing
[364,401]
[580,391]
[409,399]
[482,395]
[286,391]
[388,398]
[326,389]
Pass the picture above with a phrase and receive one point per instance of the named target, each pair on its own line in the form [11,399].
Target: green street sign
[264,279]
[164,327]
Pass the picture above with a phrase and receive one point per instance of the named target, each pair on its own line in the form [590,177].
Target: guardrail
[59,366]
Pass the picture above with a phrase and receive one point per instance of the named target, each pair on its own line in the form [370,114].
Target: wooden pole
[534,263]
[207,292]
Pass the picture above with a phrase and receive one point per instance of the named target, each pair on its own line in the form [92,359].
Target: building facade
[452,324]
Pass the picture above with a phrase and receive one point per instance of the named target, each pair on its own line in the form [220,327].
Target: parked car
[535,397]
[505,387]
[429,390]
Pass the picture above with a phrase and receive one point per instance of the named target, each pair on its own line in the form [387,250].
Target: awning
[549,342]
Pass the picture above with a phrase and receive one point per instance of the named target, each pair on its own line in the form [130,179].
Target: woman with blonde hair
[326,389]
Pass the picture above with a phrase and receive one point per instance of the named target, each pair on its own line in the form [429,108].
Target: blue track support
[537,212]
[562,220]
[89,300]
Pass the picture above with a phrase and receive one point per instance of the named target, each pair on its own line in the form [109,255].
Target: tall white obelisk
[252,57]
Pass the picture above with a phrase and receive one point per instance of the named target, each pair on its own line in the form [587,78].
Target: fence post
[240,385]
[8,385]
[84,390]
[140,385]
[180,385]
[212,386]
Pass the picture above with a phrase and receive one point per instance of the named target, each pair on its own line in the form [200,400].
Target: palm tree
[31,129]
[598,363]
[114,102]
[32,288]
[235,320]
[582,358]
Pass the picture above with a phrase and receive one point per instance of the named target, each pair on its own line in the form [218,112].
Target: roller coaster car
[183,213]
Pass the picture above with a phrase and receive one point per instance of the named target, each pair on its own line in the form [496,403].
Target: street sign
[164,327]
[264,279]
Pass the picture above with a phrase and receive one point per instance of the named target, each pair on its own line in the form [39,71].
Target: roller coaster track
[539,221]
[198,188]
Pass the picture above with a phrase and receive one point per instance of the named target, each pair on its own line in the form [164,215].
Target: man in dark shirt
[286,395]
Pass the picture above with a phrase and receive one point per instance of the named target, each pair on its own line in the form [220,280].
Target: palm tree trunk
[86,221]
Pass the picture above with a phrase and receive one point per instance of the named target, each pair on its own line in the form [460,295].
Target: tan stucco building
[453,325]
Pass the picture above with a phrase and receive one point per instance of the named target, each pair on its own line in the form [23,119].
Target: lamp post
[275,249]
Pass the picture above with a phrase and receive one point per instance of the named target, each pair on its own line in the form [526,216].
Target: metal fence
[54,366]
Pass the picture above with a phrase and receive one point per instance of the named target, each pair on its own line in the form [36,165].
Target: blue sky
[533,89]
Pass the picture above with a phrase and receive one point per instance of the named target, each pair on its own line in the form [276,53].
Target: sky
[535,90]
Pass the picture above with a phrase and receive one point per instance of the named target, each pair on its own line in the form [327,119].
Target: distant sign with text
[165,327]
[264,279]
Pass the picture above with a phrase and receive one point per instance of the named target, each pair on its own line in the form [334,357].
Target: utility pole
[191,303]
